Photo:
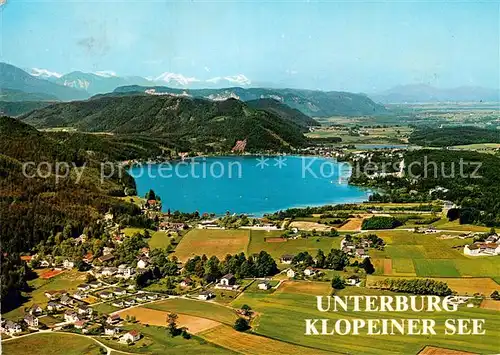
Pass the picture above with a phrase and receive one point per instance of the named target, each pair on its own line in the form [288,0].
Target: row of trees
[212,268]
[416,286]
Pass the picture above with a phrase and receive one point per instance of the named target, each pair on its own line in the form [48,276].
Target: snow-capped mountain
[175,79]
[44,73]
[234,80]
[104,81]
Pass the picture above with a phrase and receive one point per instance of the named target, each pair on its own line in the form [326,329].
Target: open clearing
[464,286]
[491,304]
[305,287]
[253,344]
[54,344]
[159,318]
[309,226]
[210,242]
[429,255]
[432,350]
[209,310]
[354,224]
[259,241]
[159,240]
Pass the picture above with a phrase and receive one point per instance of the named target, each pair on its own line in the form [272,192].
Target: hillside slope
[203,123]
[309,102]
[283,111]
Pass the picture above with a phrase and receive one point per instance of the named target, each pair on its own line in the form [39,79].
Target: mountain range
[421,93]
[312,103]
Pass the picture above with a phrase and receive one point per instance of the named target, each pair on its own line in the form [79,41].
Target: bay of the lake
[249,184]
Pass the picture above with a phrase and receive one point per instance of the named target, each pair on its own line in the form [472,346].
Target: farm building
[206,295]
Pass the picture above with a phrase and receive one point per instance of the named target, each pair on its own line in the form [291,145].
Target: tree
[246,309]
[172,323]
[241,325]
[368,266]
[150,195]
[495,295]
[338,282]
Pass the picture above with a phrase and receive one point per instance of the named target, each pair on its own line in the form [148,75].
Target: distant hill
[425,93]
[283,111]
[205,124]
[18,95]
[17,108]
[14,78]
[450,136]
[309,102]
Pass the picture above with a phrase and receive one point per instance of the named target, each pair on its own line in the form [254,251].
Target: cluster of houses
[356,248]
[489,247]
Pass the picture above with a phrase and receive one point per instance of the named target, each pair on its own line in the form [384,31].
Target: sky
[358,46]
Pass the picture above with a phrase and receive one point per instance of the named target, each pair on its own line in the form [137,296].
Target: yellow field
[354,224]
[251,344]
[159,318]
[491,304]
[212,242]
[432,350]
[463,286]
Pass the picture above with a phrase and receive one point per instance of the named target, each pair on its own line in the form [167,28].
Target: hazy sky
[356,46]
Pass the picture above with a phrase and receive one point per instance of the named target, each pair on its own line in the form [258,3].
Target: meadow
[155,340]
[210,242]
[296,302]
[196,308]
[159,240]
[54,344]
[426,255]
[291,246]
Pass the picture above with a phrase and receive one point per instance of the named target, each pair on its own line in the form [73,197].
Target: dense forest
[450,136]
[467,178]
[206,125]
[35,209]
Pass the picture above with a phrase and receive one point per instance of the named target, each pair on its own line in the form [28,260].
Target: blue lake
[252,185]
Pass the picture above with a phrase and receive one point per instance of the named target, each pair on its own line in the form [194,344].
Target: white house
[352,281]
[286,259]
[71,316]
[85,310]
[115,318]
[264,285]
[118,304]
[290,273]
[83,287]
[68,264]
[130,337]
[228,280]
[12,327]
[143,263]
[309,271]
[206,295]
[119,292]
[111,331]
[31,320]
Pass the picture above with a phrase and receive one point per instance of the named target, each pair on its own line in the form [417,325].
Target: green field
[156,341]
[196,308]
[54,344]
[428,256]
[159,240]
[292,307]
[210,242]
[291,246]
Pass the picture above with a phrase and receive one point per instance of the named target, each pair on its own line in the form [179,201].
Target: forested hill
[283,111]
[37,208]
[312,103]
[450,136]
[204,123]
